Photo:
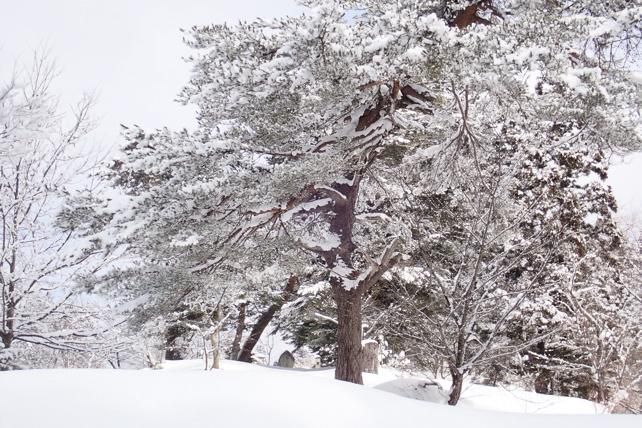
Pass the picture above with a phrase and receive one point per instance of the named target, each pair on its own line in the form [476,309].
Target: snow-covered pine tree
[566,181]
[165,205]
[304,121]
[317,98]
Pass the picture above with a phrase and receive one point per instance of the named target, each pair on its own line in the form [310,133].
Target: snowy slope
[237,396]
[436,391]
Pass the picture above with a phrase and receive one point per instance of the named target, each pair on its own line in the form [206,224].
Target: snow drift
[240,395]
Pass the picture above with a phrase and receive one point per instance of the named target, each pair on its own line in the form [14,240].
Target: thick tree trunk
[348,362]
[455,389]
[263,321]
[240,327]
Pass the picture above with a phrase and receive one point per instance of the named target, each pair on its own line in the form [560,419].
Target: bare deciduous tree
[38,259]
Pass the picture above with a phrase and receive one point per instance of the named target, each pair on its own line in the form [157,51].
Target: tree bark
[240,327]
[348,361]
[457,384]
[263,321]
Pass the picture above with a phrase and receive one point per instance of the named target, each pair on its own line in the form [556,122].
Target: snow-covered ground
[242,395]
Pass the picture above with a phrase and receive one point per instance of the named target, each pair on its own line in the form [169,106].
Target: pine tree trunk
[240,327]
[288,293]
[246,352]
[348,362]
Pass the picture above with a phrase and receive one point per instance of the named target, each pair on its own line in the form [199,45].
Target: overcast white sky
[128,52]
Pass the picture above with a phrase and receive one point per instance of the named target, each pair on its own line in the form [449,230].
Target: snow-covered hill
[243,395]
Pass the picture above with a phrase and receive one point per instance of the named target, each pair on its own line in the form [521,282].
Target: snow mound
[239,395]
[491,398]
[417,389]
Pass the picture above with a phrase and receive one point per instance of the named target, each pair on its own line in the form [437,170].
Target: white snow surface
[243,395]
